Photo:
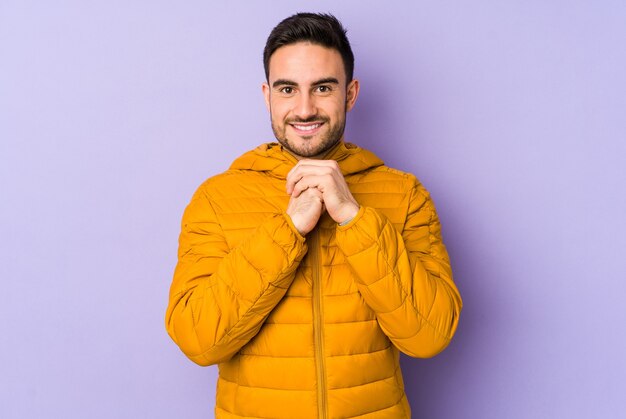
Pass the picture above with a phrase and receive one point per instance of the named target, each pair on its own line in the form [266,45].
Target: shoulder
[226,183]
[391,179]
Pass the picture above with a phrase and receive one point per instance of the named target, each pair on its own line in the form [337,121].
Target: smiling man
[307,266]
[308,97]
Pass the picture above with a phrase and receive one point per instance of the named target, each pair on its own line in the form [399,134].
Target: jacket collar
[273,158]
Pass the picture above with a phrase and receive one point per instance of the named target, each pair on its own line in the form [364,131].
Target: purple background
[513,114]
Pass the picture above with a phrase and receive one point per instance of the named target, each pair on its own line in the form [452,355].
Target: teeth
[306,127]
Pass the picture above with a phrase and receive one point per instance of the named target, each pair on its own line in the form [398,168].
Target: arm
[405,278]
[219,297]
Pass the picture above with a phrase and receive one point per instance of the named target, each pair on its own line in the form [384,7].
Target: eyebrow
[326,80]
[285,82]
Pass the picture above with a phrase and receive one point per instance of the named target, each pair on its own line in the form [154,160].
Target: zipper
[318,321]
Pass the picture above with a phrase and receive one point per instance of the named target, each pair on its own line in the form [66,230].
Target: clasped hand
[315,186]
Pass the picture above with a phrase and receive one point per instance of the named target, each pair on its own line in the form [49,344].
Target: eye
[286,90]
[323,89]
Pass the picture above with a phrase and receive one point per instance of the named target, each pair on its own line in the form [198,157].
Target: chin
[310,146]
[317,151]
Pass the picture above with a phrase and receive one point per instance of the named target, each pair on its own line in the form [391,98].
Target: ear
[266,94]
[352,92]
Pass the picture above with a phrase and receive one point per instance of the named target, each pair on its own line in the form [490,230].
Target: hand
[325,176]
[305,210]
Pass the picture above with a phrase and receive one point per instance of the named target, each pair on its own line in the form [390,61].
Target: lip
[308,129]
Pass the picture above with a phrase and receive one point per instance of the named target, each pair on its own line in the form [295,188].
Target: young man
[307,266]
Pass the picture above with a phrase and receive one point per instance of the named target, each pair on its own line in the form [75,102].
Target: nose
[305,106]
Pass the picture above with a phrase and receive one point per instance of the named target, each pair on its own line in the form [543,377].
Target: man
[306,266]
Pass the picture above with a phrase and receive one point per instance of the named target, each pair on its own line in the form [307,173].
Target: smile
[306,129]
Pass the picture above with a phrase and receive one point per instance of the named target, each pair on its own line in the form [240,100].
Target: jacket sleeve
[219,297]
[405,277]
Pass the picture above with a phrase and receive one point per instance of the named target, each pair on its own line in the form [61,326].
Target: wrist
[343,223]
[350,214]
[298,223]
[293,226]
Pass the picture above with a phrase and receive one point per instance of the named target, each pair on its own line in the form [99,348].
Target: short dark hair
[317,28]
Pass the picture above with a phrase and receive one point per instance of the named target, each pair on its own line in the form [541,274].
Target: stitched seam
[274,356]
[227,332]
[351,321]
[325,323]
[405,294]
[362,353]
[364,384]
[379,410]
[267,388]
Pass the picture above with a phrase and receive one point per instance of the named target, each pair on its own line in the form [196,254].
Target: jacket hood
[275,159]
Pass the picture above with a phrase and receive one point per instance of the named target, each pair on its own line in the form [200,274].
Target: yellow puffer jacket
[310,327]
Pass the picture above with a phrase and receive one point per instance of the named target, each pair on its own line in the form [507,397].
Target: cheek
[337,106]
[279,109]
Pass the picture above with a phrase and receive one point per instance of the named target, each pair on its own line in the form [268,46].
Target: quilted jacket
[306,327]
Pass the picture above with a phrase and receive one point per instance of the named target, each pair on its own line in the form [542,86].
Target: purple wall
[513,114]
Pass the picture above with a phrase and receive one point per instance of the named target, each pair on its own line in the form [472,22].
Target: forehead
[304,63]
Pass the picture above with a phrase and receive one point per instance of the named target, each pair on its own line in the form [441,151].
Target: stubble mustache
[314,118]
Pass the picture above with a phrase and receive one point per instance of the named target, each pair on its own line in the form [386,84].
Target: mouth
[307,129]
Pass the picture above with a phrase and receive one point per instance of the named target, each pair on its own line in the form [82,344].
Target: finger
[307,182]
[292,179]
[299,188]
[297,191]
[297,173]
[331,164]
[314,192]
[307,167]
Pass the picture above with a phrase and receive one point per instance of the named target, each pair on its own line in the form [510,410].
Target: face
[307,97]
